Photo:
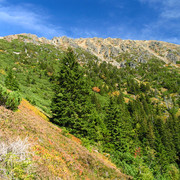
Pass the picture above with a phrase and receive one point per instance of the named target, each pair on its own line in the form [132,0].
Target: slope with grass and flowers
[52,152]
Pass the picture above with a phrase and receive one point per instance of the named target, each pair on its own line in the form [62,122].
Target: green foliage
[119,126]
[31,70]
[173,172]
[133,87]
[126,161]
[9,99]
[11,82]
[70,106]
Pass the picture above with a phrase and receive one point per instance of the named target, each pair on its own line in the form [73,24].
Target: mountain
[119,97]
[111,50]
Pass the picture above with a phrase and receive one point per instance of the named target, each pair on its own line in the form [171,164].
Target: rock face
[172,57]
[110,50]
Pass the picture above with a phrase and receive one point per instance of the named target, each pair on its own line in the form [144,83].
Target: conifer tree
[119,126]
[71,104]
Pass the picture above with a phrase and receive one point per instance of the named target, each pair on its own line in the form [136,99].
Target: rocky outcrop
[172,57]
[110,49]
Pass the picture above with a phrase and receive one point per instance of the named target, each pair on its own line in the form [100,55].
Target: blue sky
[126,19]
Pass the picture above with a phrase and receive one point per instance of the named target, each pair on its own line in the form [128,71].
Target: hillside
[121,97]
[55,153]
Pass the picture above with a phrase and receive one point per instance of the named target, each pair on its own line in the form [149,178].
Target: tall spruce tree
[71,104]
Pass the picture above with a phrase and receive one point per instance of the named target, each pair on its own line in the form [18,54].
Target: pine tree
[71,104]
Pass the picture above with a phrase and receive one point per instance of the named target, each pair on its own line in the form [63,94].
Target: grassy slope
[54,154]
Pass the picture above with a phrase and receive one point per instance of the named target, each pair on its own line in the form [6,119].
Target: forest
[130,114]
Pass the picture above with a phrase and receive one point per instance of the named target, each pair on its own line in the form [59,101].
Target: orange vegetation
[26,104]
[96,89]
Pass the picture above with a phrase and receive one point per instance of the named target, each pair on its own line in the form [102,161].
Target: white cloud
[168,20]
[20,16]
[169,14]
[169,9]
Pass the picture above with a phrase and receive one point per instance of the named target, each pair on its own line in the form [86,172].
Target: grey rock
[104,50]
[172,57]
[106,54]
[123,48]
[91,47]
[114,51]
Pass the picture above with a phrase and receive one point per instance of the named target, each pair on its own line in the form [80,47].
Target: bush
[9,99]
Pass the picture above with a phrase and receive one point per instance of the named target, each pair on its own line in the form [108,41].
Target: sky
[125,19]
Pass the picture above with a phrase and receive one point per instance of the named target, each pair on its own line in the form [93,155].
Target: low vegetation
[15,161]
[48,152]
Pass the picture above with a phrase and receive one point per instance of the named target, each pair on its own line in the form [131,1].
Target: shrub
[9,99]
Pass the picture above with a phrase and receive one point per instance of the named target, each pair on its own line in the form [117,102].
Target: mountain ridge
[110,49]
